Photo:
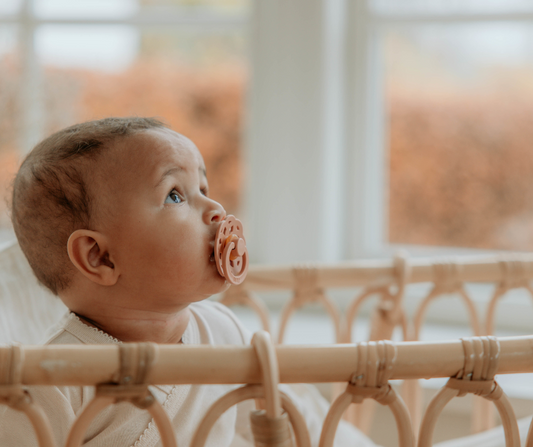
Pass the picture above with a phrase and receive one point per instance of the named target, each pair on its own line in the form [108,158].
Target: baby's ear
[89,252]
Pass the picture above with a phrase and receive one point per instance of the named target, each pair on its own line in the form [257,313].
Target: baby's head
[118,207]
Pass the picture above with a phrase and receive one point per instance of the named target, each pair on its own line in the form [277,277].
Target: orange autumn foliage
[462,170]
[461,166]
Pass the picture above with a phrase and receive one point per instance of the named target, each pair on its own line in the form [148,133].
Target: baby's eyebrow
[203,171]
[168,173]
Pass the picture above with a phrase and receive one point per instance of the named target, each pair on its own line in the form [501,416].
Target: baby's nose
[217,214]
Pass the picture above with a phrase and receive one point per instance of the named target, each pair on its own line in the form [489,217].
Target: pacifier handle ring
[238,278]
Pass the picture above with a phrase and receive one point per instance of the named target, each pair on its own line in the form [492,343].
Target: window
[389,123]
[184,61]
[459,99]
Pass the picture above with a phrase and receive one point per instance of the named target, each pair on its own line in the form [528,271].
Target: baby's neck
[132,326]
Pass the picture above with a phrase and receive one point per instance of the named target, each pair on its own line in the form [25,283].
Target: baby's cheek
[187,255]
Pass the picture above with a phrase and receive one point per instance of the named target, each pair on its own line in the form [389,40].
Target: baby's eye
[205,191]
[173,197]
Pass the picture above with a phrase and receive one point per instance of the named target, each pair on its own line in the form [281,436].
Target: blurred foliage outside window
[460,101]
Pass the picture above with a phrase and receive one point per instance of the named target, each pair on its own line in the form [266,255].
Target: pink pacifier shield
[231,255]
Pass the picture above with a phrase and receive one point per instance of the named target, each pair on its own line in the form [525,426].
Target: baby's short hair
[50,193]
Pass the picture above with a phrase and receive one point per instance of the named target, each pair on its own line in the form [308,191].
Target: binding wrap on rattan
[375,365]
[482,355]
[307,290]
[130,385]
[516,274]
[13,394]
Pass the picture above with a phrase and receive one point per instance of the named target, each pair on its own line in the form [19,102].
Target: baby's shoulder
[218,325]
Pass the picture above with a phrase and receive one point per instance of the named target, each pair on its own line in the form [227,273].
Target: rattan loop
[383,394]
[249,392]
[266,355]
[307,290]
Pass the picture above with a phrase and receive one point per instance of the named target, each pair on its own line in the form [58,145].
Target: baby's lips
[231,255]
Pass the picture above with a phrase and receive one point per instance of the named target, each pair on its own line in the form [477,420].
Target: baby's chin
[220,285]
[226,286]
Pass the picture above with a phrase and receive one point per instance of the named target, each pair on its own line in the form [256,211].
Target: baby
[114,217]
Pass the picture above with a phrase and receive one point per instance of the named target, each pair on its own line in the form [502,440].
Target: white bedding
[26,308]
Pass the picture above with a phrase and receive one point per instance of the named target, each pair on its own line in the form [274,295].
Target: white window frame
[321,193]
[378,21]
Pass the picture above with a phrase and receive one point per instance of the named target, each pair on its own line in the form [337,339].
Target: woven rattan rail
[366,369]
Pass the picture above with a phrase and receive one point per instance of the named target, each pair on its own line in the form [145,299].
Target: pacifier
[231,255]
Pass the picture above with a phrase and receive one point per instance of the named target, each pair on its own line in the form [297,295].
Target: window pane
[219,5]
[113,9]
[85,9]
[9,7]
[460,101]
[450,6]
[99,47]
